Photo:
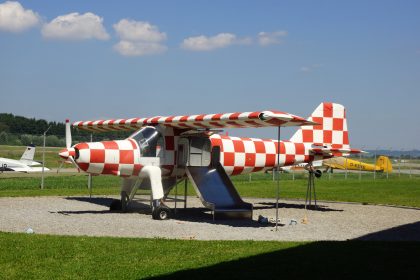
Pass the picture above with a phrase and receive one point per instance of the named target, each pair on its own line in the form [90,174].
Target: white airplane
[25,164]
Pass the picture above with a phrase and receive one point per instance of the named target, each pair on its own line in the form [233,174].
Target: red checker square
[228,159]
[97,156]
[82,146]
[84,166]
[217,142]
[270,160]
[110,169]
[169,142]
[318,120]
[338,124]
[259,147]
[256,169]
[136,169]
[127,156]
[282,147]
[249,159]
[110,145]
[345,137]
[328,110]
[307,136]
[290,159]
[238,146]
[300,148]
[327,136]
[237,170]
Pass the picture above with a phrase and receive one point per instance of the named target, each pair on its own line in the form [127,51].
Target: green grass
[394,191]
[59,257]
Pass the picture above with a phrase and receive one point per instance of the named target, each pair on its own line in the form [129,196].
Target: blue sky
[139,59]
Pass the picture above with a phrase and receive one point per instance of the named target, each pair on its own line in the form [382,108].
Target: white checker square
[260,160]
[249,147]
[270,147]
[228,145]
[337,136]
[112,156]
[96,145]
[96,168]
[239,159]
[328,124]
[124,145]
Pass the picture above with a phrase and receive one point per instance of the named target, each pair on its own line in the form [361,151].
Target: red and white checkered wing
[232,120]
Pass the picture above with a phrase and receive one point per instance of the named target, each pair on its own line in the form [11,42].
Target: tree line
[18,130]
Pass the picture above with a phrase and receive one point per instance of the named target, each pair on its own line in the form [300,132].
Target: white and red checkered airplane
[164,150]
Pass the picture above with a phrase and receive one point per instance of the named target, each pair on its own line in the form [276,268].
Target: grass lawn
[394,191]
[59,257]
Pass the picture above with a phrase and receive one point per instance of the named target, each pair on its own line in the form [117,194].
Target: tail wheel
[161,212]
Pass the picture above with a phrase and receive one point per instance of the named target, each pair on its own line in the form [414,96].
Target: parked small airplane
[25,164]
[383,164]
[165,150]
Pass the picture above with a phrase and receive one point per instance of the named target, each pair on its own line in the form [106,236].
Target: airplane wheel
[124,201]
[161,213]
[115,205]
[318,173]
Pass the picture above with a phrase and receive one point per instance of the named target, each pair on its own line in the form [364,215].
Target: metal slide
[217,192]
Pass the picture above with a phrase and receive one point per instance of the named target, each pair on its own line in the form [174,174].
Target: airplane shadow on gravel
[272,205]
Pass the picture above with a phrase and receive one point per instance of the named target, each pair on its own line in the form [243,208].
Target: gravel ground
[332,221]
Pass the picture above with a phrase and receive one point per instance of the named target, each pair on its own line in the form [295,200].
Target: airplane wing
[209,121]
[334,151]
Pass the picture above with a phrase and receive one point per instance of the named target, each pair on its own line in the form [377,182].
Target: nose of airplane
[66,153]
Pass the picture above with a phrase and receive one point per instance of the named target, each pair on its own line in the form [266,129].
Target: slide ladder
[217,192]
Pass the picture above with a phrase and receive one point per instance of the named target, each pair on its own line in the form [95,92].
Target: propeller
[69,153]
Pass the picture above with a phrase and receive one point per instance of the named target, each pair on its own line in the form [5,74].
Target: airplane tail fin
[384,164]
[331,131]
[29,153]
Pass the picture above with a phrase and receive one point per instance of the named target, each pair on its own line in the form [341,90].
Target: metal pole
[185,193]
[90,175]
[346,170]
[278,178]
[374,169]
[43,158]
[399,167]
[409,163]
[360,166]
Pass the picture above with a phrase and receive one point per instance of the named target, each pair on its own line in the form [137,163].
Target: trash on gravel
[292,222]
[29,231]
[262,220]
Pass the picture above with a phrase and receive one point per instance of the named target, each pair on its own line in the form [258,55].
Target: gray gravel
[333,221]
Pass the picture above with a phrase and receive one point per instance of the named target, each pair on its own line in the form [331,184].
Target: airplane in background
[166,150]
[25,164]
[383,164]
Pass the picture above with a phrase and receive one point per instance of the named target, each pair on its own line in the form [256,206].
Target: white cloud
[75,26]
[129,48]
[139,38]
[221,40]
[310,68]
[270,38]
[14,18]
[130,30]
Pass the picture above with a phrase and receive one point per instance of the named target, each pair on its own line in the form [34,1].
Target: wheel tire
[115,205]
[161,213]
[124,202]
[318,173]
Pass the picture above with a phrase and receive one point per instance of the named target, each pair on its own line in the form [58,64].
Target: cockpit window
[147,138]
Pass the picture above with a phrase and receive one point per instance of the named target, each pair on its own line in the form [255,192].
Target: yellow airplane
[383,164]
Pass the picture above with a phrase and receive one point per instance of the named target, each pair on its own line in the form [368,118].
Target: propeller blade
[74,163]
[68,134]
[61,165]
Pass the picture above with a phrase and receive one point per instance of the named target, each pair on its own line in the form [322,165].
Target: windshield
[147,138]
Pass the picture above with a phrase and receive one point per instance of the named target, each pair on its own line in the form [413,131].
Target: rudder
[332,129]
